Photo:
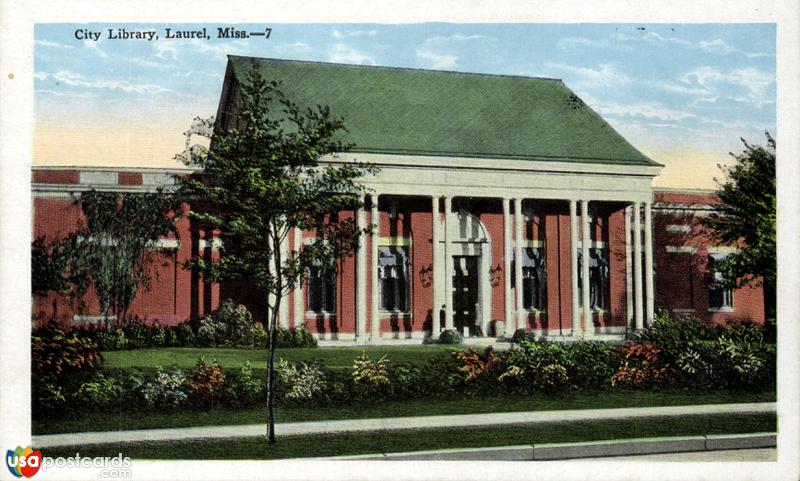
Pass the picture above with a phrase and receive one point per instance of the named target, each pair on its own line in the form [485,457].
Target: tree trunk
[273,339]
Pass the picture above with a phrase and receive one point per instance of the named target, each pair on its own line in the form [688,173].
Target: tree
[263,178]
[108,250]
[746,217]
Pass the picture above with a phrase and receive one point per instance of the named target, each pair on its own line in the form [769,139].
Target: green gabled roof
[428,112]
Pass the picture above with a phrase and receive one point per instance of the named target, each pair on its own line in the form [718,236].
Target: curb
[565,451]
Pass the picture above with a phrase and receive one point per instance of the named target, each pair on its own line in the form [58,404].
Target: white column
[507,253]
[637,266]
[648,264]
[283,314]
[448,266]
[361,274]
[299,309]
[588,326]
[573,251]
[376,234]
[436,269]
[521,321]
[628,266]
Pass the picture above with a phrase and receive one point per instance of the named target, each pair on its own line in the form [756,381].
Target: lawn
[333,357]
[108,421]
[400,441]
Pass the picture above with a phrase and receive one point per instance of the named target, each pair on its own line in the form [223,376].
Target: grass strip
[124,420]
[417,440]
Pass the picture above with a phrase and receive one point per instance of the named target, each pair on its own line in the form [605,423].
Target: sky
[683,94]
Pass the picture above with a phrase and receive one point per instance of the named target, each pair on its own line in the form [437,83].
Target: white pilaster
[376,234]
[637,266]
[361,274]
[507,253]
[628,267]
[299,309]
[283,314]
[573,251]
[648,264]
[448,266]
[436,269]
[588,326]
[521,321]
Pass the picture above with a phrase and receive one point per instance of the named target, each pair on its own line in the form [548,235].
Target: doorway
[465,294]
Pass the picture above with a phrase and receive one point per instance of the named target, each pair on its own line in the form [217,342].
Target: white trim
[680,249]
[678,228]
[215,243]
[684,310]
[395,241]
[84,319]
[722,250]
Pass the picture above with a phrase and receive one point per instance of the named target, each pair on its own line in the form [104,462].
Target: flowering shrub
[376,373]
[303,381]
[260,336]
[551,377]
[166,389]
[643,367]
[207,381]
[697,366]
[743,361]
[185,335]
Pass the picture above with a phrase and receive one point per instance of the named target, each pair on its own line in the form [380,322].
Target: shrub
[521,335]
[450,336]
[136,333]
[166,389]
[48,399]
[302,337]
[171,334]
[238,322]
[185,335]
[551,377]
[590,364]
[244,389]
[210,333]
[157,334]
[99,393]
[284,338]
[372,375]
[742,361]
[207,382]
[674,334]
[535,366]
[260,336]
[476,366]
[107,340]
[697,365]
[303,381]
[643,367]
[404,379]
[56,353]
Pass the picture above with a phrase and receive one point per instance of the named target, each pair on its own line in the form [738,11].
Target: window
[534,292]
[322,289]
[598,278]
[720,294]
[393,275]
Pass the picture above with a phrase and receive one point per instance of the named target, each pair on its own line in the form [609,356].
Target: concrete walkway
[393,424]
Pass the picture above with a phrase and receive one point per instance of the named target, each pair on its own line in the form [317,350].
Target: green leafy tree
[56,266]
[119,231]
[746,217]
[259,180]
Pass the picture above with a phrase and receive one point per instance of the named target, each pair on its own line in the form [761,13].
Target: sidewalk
[393,424]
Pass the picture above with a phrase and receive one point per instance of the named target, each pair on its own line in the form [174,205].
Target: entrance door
[465,293]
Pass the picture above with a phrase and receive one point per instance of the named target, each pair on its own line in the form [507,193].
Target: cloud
[47,43]
[745,84]
[341,53]
[73,79]
[354,33]
[92,45]
[716,46]
[605,76]
[442,52]
[653,111]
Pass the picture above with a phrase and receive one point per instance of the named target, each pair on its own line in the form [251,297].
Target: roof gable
[427,112]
